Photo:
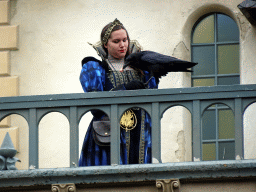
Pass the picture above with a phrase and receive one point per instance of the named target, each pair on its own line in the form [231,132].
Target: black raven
[157,64]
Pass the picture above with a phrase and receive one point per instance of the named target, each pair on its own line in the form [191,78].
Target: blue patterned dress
[135,145]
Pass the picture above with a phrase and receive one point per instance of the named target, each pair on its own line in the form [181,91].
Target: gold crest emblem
[128,120]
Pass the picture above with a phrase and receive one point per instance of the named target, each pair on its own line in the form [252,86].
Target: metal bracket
[168,185]
[69,187]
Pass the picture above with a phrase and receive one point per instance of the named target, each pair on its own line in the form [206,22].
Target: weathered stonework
[243,24]
[4,63]
[8,37]
[9,85]
[4,12]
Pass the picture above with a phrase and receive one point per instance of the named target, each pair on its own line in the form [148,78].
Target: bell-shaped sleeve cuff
[92,76]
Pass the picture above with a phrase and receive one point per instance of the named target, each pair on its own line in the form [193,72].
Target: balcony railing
[155,102]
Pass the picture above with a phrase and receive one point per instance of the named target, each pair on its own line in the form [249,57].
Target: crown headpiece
[109,30]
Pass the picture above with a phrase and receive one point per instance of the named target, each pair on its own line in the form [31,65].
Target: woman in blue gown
[108,75]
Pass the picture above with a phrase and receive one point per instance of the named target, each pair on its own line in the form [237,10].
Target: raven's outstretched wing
[157,64]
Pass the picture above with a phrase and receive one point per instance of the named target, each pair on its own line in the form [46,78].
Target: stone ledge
[205,170]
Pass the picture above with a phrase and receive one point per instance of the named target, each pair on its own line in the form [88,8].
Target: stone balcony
[226,175]
[235,175]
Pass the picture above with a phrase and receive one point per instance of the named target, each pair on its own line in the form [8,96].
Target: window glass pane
[228,80]
[203,82]
[209,125]
[227,29]
[205,57]
[209,151]
[226,124]
[227,151]
[204,31]
[228,59]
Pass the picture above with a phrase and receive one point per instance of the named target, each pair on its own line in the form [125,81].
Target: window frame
[198,143]
[216,44]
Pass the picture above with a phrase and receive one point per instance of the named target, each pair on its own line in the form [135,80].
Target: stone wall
[9,84]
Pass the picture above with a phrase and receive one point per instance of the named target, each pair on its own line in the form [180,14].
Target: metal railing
[114,104]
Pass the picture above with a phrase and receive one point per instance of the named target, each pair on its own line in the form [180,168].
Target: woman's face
[117,45]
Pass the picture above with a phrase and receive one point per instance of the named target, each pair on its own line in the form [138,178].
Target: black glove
[134,85]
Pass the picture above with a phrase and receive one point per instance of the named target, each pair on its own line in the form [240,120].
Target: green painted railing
[155,102]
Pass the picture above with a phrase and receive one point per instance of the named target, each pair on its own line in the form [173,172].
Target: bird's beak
[126,65]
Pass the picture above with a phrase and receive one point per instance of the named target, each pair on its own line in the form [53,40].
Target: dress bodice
[118,78]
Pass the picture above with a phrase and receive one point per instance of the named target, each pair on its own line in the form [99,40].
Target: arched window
[215,47]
